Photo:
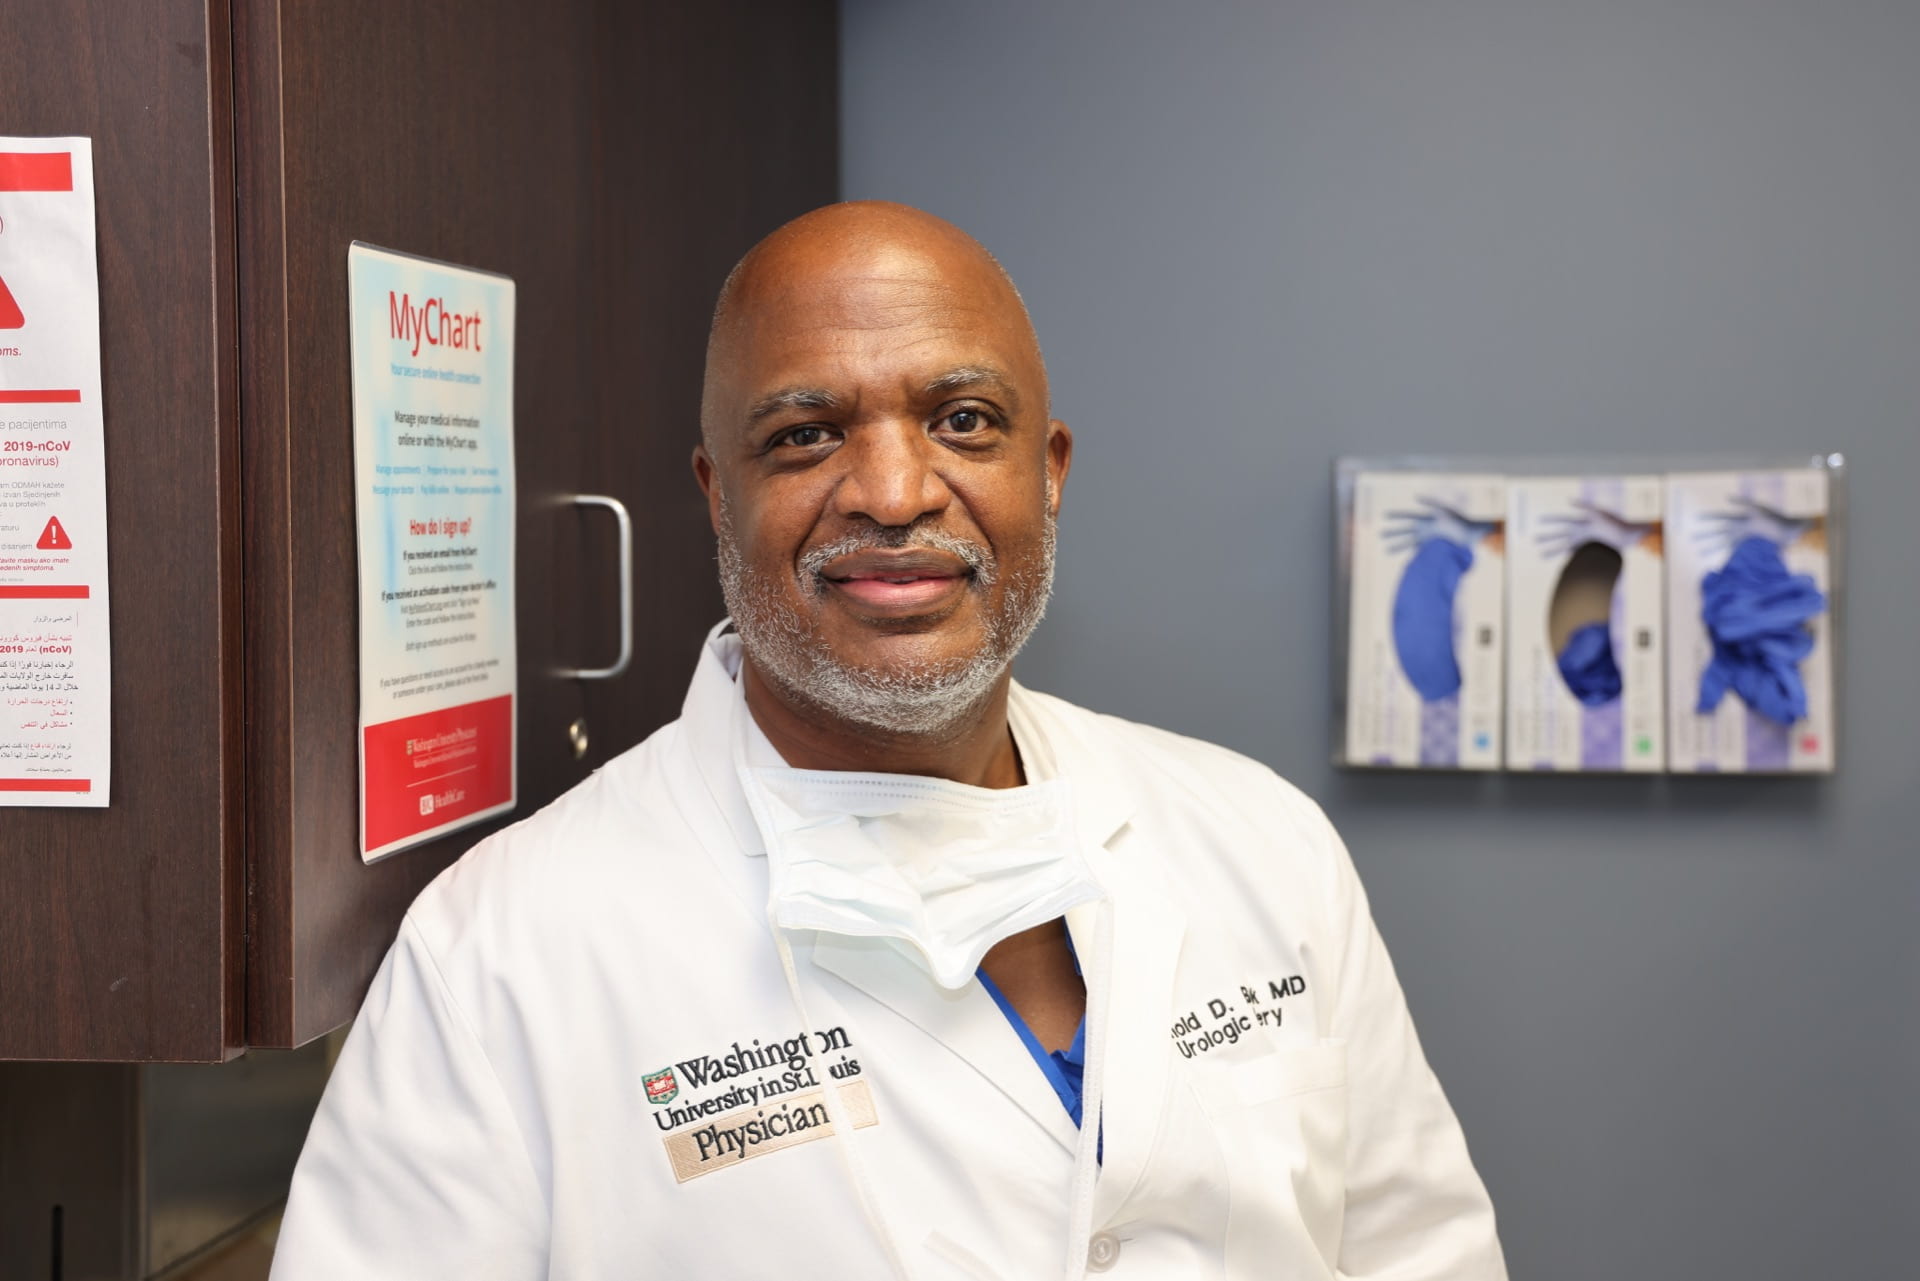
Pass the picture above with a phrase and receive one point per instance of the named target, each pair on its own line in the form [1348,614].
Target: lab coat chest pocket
[1281,1121]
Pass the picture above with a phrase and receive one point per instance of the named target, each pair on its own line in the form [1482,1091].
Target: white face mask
[947,868]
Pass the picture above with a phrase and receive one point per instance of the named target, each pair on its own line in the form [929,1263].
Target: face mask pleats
[947,869]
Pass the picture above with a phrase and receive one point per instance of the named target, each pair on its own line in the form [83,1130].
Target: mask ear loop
[829,1090]
[837,1113]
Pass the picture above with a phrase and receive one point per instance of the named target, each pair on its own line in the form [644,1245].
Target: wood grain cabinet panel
[121,929]
[614,159]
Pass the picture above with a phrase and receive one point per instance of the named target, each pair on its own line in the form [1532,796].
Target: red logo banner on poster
[36,171]
[437,769]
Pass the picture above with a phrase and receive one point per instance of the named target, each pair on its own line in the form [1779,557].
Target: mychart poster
[434,499]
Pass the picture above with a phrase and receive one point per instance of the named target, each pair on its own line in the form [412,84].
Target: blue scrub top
[1064,1069]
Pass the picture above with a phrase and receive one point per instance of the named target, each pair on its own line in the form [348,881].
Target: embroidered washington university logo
[750,1100]
[661,1087]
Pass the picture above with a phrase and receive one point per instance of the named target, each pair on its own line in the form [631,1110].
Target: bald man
[875,964]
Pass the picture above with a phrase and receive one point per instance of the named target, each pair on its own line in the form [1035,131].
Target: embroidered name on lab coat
[754,1132]
[1259,1006]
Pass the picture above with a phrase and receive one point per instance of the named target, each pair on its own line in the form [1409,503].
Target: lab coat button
[1103,1252]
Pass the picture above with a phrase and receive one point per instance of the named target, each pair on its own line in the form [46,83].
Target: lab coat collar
[707,720]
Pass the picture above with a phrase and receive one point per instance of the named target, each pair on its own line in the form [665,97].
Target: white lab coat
[1268,1111]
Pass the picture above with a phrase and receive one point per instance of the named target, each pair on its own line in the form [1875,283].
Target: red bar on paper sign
[46,785]
[17,591]
[436,768]
[36,171]
[55,396]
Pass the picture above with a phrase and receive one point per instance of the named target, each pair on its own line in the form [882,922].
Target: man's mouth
[902,582]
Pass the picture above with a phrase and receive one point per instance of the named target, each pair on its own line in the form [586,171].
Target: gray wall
[1678,1017]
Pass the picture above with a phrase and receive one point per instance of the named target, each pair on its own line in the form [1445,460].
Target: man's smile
[900,582]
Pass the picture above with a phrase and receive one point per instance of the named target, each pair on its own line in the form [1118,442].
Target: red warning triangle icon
[11,317]
[54,537]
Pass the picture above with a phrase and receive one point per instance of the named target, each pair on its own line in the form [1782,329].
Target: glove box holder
[1546,615]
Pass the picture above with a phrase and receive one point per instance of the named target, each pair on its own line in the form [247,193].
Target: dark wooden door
[614,159]
[121,928]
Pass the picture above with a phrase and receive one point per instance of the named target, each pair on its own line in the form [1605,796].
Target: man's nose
[893,477]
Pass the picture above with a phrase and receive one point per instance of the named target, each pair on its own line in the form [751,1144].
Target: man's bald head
[825,267]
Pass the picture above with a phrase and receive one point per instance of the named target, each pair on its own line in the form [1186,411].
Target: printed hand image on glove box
[1585,663]
[1750,668]
[1424,643]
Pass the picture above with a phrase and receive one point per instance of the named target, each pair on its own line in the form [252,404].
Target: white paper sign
[55,664]
[433,471]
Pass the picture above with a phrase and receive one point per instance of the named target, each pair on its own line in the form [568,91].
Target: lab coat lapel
[967,1022]
[1148,934]
[1149,931]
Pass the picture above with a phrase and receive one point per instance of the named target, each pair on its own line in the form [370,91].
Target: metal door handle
[619,510]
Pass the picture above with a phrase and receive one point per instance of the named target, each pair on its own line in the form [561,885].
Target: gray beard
[917,700]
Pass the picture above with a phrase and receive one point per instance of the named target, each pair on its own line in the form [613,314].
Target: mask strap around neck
[829,1090]
[838,1114]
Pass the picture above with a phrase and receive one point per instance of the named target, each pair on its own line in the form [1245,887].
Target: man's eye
[967,421]
[804,437]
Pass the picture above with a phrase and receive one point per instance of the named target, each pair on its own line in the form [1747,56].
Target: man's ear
[709,480]
[1059,459]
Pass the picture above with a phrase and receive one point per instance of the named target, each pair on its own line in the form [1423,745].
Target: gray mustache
[976,556]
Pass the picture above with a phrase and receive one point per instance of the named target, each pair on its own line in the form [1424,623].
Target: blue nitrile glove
[1588,666]
[1756,613]
[1423,617]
